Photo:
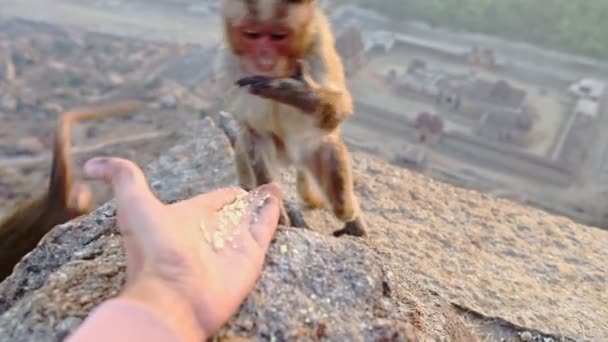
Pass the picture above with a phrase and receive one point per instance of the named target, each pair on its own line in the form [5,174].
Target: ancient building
[475,97]
[510,128]
[429,128]
[481,57]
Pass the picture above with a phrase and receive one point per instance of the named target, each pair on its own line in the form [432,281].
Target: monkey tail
[60,182]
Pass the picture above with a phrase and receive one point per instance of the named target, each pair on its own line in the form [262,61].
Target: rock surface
[313,286]
[430,245]
[493,257]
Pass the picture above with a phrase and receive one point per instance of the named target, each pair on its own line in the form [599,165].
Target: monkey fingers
[253,80]
[290,91]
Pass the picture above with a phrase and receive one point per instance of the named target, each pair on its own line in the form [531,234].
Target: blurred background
[505,97]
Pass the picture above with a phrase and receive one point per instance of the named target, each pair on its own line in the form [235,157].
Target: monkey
[23,228]
[229,126]
[279,68]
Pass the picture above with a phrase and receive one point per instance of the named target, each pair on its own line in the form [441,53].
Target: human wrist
[166,303]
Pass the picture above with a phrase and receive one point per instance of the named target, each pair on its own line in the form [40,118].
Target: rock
[312,290]
[526,336]
[116,80]
[14,151]
[56,66]
[459,244]
[9,103]
[168,102]
[31,143]
[52,108]
[314,287]
[28,101]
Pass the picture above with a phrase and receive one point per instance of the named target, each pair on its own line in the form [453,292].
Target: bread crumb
[230,217]
[218,242]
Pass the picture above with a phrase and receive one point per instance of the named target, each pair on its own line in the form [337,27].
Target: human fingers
[137,208]
[249,229]
[135,202]
[215,200]
[127,180]
[265,215]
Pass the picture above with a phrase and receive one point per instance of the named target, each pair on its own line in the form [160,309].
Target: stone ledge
[313,286]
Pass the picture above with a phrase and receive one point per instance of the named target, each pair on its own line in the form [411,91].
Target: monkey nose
[266,60]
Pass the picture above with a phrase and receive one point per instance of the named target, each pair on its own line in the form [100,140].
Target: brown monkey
[291,99]
[22,229]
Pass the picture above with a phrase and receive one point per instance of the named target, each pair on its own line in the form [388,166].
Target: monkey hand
[291,91]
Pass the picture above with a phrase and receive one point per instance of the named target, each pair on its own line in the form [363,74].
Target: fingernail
[275,189]
[260,202]
[238,189]
[95,168]
[263,197]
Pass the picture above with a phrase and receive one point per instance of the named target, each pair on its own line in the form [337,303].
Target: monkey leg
[256,162]
[244,169]
[296,218]
[331,167]
[305,187]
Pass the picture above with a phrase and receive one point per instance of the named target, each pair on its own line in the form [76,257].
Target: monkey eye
[278,36]
[249,34]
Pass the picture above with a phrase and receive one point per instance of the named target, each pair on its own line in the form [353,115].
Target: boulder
[313,287]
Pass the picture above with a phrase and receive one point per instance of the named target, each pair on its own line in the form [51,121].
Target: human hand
[174,265]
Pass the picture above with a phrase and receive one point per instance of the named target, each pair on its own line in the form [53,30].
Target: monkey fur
[23,228]
[285,83]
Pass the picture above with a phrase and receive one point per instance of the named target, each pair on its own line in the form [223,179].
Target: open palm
[195,250]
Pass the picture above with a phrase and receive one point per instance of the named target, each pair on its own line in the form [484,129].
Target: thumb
[127,180]
[264,226]
[134,203]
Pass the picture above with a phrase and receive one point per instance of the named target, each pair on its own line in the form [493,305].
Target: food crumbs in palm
[218,241]
[230,217]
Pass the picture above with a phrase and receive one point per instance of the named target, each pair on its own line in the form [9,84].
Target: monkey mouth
[265,63]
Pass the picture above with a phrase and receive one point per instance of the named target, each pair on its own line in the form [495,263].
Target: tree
[575,26]
[429,127]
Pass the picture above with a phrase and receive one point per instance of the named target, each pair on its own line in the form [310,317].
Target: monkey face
[266,47]
[268,35]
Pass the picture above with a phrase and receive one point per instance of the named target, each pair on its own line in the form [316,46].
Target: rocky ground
[441,262]
[488,256]
[46,70]
[313,287]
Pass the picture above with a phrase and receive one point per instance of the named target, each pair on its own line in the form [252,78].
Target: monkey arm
[289,91]
[308,96]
